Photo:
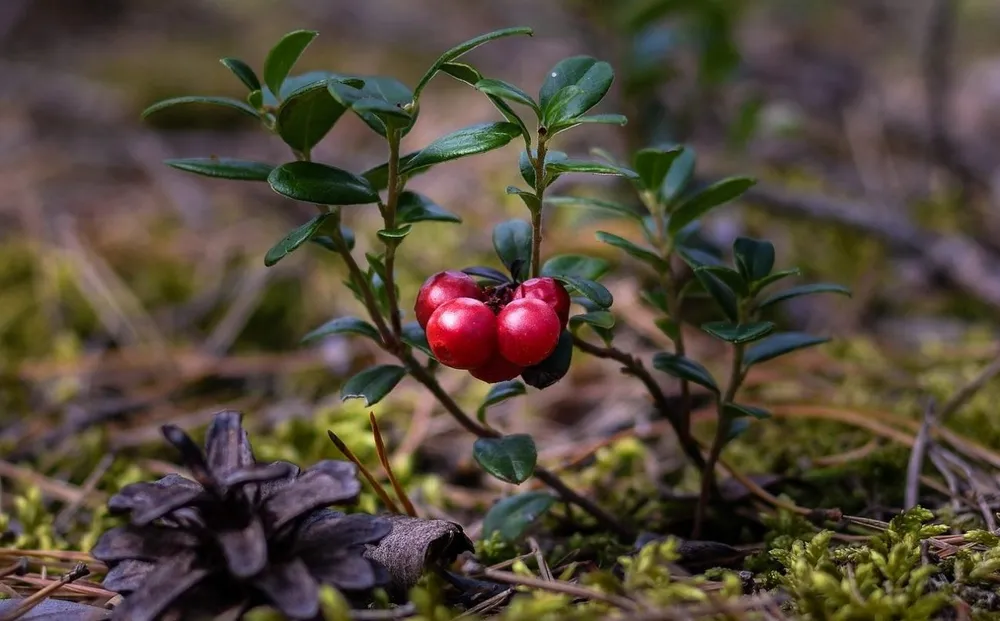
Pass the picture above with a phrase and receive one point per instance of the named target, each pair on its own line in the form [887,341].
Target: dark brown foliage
[238,535]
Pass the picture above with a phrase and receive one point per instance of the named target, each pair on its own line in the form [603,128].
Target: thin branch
[557,586]
[635,367]
[39,596]
[917,457]
[965,393]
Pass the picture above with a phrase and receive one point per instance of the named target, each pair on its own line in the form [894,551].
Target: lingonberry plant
[513,323]
[685,267]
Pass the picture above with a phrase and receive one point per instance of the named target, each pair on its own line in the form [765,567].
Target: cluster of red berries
[493,332]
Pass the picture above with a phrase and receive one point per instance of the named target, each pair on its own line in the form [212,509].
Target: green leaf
[554,368]
[256,100]
[343,325]
[594,119]
[511,459]
[226,102]
[590,77]
[413,335]
[463,48]
[652,165]
[223,167]
[779,345]
[242,71]
[801,290]
[754,258]
[736,410]
[593,291]
[528,171]
[412,207]
[468,74]
[686,369]
[701,203]
[609,207]
[295,239]
[321,184]
[577,265]
[592,168]
[378,101]
[283,56]
[468,141]
[554,113]
[679,176]
[511,516]
[723,295]
[499,393]
[696,257]
[597,319]
[505,90]
[729,277]
[643,254]
[487,273]
[775,277]
[307,115]
[528,198]
[372,384]
[737,427]
[738,334]
[512,242]
[395,235]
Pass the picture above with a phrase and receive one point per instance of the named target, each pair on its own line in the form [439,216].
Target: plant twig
[38,597]
[536,212]
[917,457]
[635,367]
[558,586]
[965,393]
[384,459]
[376,486]
[391,202]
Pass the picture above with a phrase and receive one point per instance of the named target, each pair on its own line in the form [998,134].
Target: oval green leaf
[307,115]
[779,345]
[511,459]
[343,325]
[413,207]
[283,57]
[499,393]
[596,319]
[511,516]
[754,258]
[464,142]
[464,48]
[554,368]
[643,254]
[678,177]
[594,119]
[373,384]
[736,410]
[505,90]
[242,71]
[225,102]
[591,76]
[512,242]
[704,201]
[578,265]
[801,290]
[652,165]
[321,184]
[729,277]
[295,239]
[724,297]
[223,168]
[591,168]
[609,207]
[593,291]
[413,335]
[686,369]
[738,334]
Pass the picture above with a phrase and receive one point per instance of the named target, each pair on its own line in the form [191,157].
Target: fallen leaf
[415,545]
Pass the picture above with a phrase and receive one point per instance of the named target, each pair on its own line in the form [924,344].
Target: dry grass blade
[36,598]
[558,586]
[384,459]
[376,486]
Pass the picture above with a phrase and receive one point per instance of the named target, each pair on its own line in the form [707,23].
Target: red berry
[549,291]
[462,333]
[498,369]
[442,287]
[527,331]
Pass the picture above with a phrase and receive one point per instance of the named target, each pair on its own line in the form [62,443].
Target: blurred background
[132,294]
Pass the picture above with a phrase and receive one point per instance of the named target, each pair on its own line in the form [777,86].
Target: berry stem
[722,429]
[422,375]
[536,213]
[391,201]
[635,367]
